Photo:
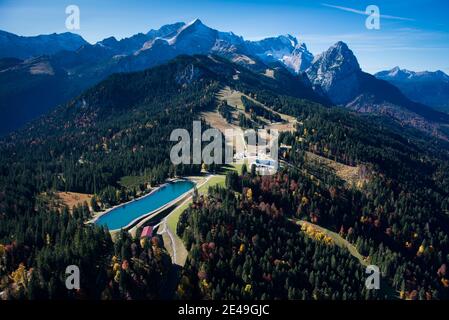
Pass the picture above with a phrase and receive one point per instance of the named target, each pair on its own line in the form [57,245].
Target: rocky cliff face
[336,73]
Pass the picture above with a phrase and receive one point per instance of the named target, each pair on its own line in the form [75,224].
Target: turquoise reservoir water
[122,216]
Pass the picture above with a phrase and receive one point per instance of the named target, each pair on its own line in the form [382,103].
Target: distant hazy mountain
[14,46]
[430,88]
[32,87]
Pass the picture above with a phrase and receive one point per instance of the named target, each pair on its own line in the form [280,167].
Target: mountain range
[12,45]
[38,84]
[430,88]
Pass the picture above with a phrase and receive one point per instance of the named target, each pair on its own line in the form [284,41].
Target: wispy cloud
[406,39]
[347,9]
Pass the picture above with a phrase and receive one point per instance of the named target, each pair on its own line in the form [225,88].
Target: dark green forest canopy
[244,249]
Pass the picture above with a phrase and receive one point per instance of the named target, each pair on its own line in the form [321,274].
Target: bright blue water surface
[122,216]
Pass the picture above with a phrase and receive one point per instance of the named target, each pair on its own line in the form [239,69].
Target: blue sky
[414,34]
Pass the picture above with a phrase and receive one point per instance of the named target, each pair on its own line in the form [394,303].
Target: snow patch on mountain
[197,38]
[403,74]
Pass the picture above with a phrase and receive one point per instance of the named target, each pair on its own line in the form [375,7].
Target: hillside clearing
[216,120]
[351,175]
[234,99]
[72,199]
[337,240]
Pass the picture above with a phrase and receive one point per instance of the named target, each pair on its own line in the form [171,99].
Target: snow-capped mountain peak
[285,49]
[193,26]
[300,58]
[398,74]
[197,38]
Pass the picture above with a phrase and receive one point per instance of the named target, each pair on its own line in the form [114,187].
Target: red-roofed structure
[147,232]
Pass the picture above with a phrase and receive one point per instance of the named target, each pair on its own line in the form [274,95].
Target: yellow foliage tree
[204,284]
[304,200]
[142,242]
[421,249]
[20,276]
[117,276]
[116,267]
[249,194]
